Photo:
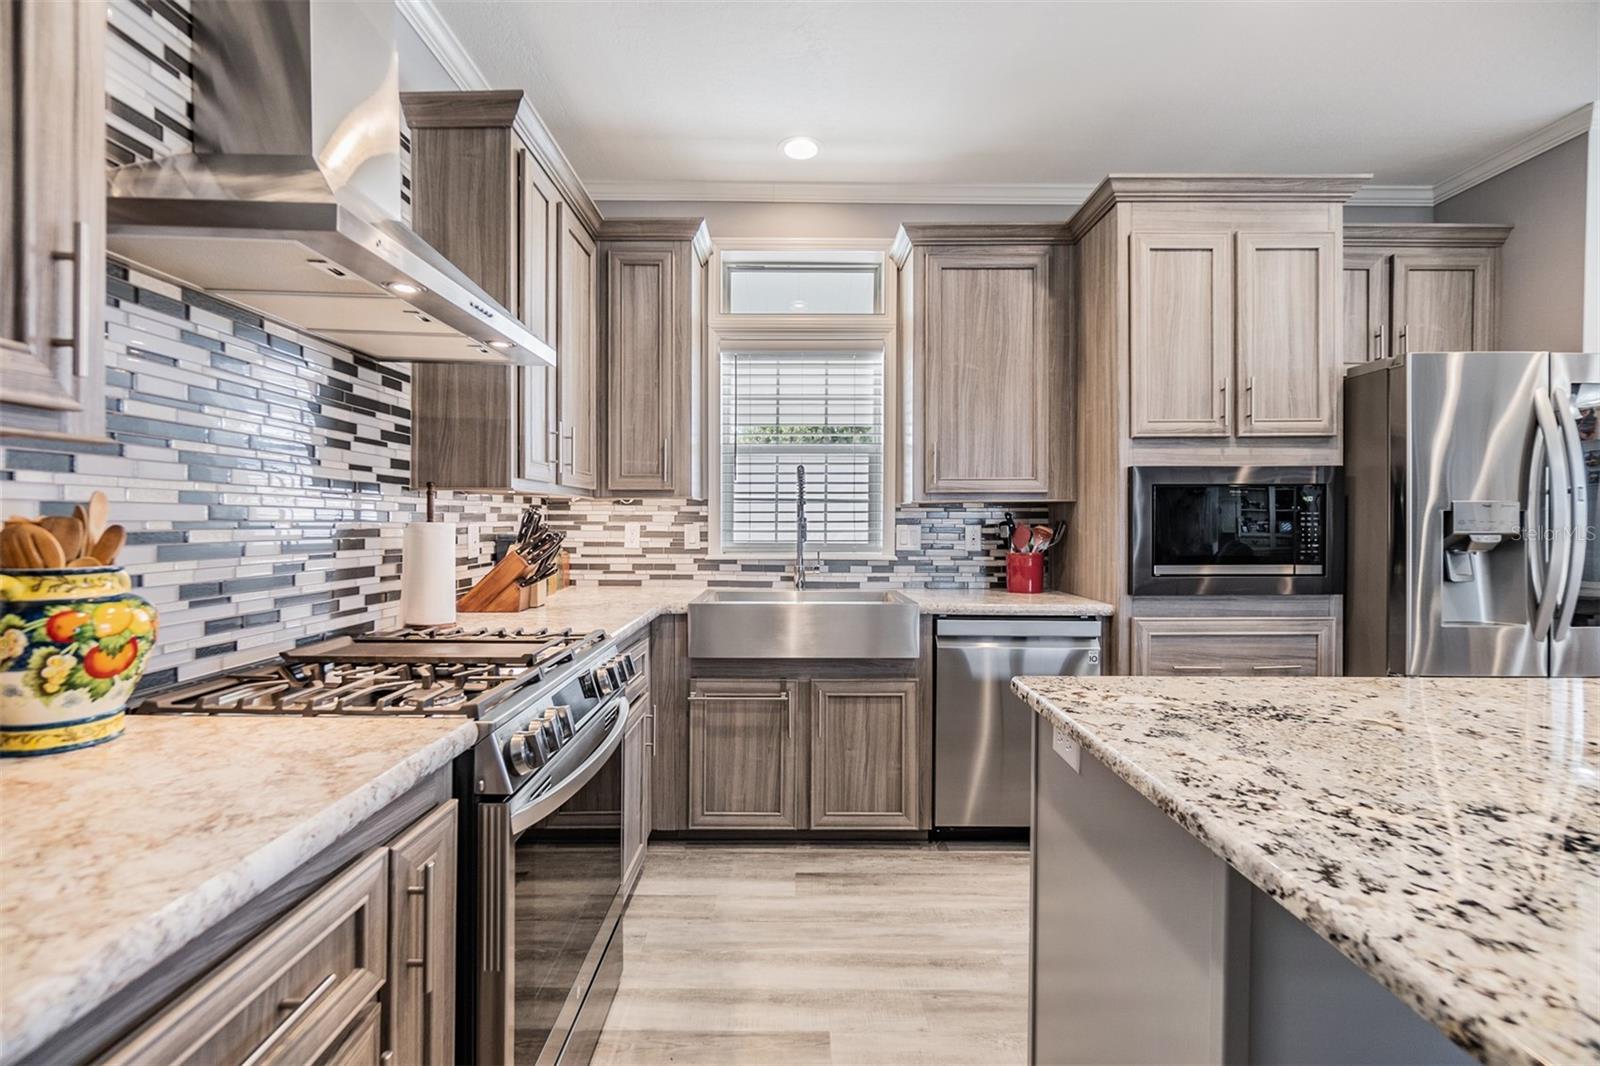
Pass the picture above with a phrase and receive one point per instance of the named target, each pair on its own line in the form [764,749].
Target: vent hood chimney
[290,204]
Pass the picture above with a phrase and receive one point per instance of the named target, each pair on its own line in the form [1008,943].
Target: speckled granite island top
[112,858]
[1443,834]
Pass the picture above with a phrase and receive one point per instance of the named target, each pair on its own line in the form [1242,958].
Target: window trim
[797,340]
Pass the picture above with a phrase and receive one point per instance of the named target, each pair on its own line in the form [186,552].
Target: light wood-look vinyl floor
[799,954]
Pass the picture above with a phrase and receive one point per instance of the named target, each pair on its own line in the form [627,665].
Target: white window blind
[818,408]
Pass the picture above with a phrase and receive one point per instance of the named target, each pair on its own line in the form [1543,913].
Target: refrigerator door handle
[1578,510]
[1556,474]
[1538,511]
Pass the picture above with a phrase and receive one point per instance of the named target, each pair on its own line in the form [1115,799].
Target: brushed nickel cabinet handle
[1179,669]
[80,307]
[1278,668]
[1402,339]
[1250,398]
[299,1011]
[650,737]
[782,697]
[1222,400]
[425,890]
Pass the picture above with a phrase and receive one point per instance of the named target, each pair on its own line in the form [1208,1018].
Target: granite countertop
[623,610]
[1444,834]
[116,856]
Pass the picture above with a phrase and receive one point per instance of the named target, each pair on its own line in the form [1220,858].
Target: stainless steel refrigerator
[1472,482]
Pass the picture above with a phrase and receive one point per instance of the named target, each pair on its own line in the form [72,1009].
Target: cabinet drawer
[1248,647]
[361,1046]
[291,994]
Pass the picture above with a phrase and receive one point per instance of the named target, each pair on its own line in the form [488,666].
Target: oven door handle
[537,808]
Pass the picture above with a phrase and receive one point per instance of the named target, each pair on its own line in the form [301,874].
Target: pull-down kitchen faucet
[800,570]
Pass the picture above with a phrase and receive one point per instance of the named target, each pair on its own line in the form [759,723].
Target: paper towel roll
[428,574]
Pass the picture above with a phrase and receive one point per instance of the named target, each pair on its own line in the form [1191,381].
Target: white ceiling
[694,95]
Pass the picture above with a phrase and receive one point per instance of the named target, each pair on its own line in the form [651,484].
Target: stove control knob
[524,753]
[630,667]
[590,686]
[559,719]
[604,683]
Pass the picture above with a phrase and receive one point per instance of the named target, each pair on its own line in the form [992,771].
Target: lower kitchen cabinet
[638,745]
[294,994]
[864,765]
[360,972]
[1239,646]
[742,755]
[422,946]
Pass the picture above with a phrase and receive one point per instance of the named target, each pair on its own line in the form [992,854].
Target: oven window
[1223,525]
[569,870]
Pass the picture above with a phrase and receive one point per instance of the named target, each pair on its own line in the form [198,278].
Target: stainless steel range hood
[290,204]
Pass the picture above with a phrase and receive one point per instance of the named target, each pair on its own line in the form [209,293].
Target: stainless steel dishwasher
[982,733]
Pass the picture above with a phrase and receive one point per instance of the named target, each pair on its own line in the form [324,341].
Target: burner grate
[455,689]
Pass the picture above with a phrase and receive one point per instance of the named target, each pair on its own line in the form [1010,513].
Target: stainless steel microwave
[1235,531]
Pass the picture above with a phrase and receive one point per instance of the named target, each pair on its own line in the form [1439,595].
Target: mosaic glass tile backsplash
[263,475]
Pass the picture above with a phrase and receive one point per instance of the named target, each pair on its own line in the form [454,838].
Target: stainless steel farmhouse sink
[802,624]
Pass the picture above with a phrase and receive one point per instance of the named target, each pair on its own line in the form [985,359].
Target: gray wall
[1542,278]
[1372,215]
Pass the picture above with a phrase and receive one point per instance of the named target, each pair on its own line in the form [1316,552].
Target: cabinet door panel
[864,755]
[1286,326]
[1364,307]
[52,218]
[575,333]
[643,377]
[537,211]
[1228,647]
[635,789]
[741,755]
[989,347]
[1181,334]
[1443,301]
[422,941]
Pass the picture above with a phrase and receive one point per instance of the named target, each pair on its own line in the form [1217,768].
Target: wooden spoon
[31,547]
[68,531]
[98,511]
[85,560]
[109,544]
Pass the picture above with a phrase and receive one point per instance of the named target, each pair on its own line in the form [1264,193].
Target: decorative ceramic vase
[73,643]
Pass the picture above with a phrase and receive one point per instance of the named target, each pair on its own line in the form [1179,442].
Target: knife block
[500,591]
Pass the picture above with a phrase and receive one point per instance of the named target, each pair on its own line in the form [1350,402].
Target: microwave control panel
[1308,526]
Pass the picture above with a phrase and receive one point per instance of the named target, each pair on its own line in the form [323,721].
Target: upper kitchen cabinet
[1429,287]
[491,190]
[52,219]
[1209,308]
[984,314]
[653,285]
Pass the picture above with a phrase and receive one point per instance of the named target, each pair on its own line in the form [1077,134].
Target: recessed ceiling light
[404,288]
[800,148]
[499,344]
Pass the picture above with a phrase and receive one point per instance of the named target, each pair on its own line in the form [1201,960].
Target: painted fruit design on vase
[72,647]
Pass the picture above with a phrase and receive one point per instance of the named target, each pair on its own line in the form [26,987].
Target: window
[801,373]
[787,407]
[802,283]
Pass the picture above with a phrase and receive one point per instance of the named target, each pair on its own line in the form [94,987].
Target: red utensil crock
[1024,571]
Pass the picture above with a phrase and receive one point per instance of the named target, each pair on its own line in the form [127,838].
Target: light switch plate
[908,538]
[630,535]
[974,538]
[691,535]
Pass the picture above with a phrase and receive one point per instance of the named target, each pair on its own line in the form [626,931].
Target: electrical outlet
[474,535]
[974,538]
[630,535]
[691,535]
[908,538]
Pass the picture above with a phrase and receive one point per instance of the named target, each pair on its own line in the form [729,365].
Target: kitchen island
[1442,835]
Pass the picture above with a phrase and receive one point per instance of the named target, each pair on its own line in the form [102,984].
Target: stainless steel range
[541,843]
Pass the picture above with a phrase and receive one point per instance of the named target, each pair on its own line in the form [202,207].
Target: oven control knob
[524,753]
[604,683]
[559,719]
[630,666]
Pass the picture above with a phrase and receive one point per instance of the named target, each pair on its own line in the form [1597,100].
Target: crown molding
[841,192]
[1393,196]
[442,41]
[1556,133]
